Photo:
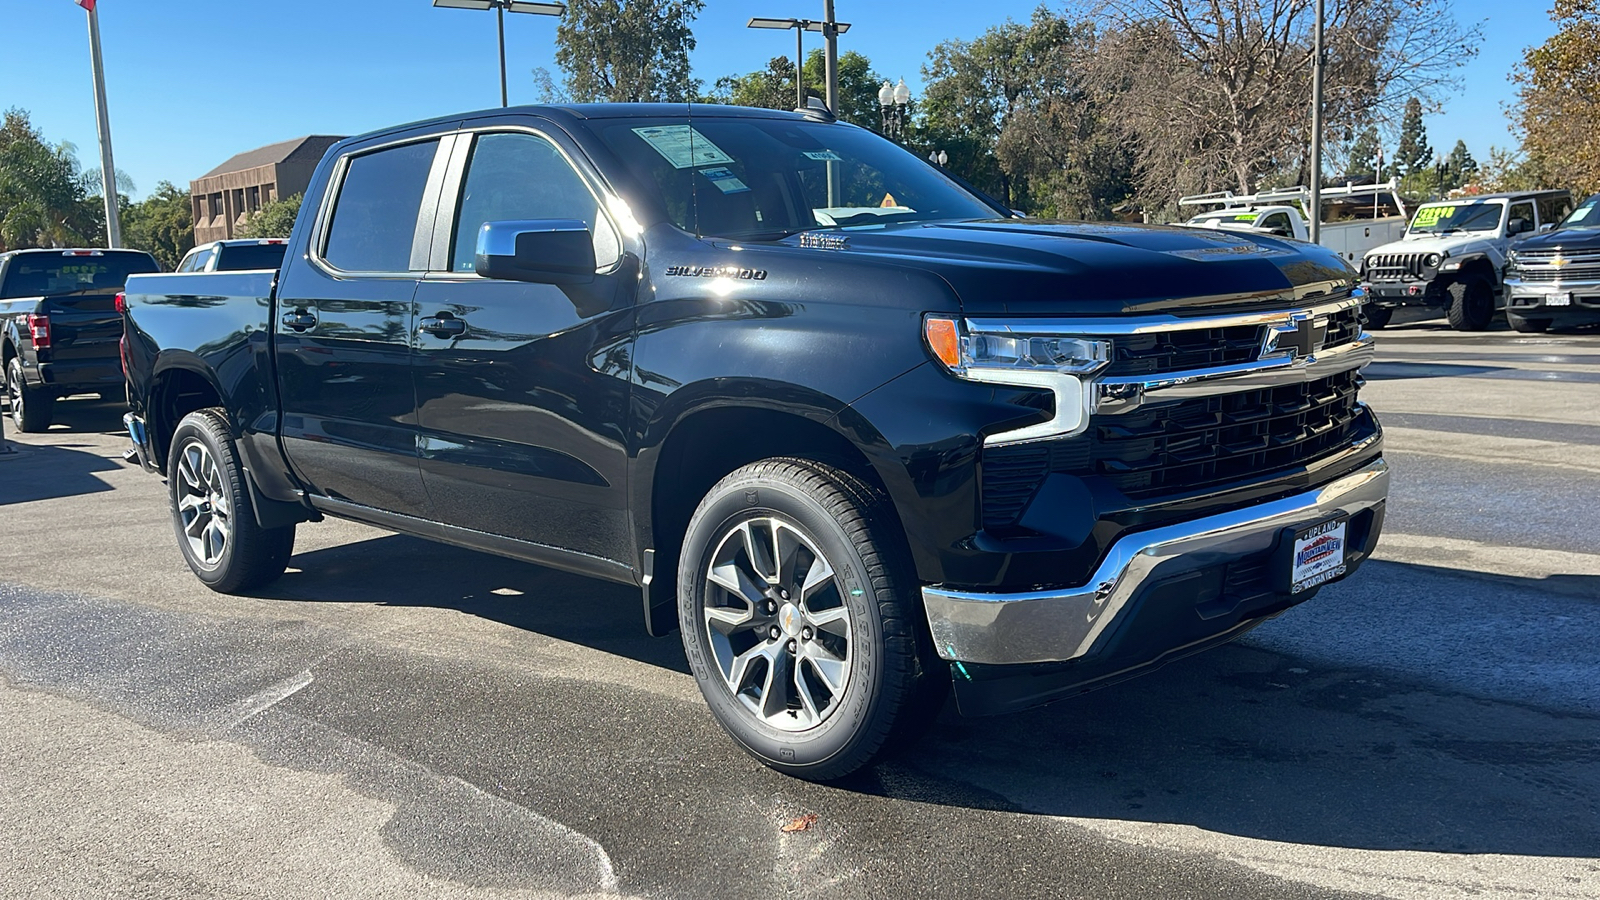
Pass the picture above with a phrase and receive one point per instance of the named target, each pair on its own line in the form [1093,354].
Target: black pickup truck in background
[59,326]
[855,431]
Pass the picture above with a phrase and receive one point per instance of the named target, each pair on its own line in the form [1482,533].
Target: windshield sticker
[825,155]
[725,180]
[1246,217]
[683,146]
[1429,216]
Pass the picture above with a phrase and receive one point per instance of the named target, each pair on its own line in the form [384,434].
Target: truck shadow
[399,570]
[1244,740]
[47,472]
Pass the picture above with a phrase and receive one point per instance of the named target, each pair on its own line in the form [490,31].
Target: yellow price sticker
[1429,216]
[1246,217]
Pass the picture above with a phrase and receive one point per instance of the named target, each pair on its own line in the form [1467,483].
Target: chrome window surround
[1077,397]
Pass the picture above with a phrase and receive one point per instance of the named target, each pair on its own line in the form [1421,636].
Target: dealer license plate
[1318,554]
[1563,299]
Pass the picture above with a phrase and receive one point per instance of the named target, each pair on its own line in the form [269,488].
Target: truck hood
[1443,244]
[1034,266]
[1564,239]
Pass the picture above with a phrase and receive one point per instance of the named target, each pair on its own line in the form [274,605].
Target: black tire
[31,408]
[1527,325]
[890,679]
[250,556]
[1471,304]
[1378,316]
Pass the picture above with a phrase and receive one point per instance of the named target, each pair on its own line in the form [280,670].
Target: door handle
[300,320]
[443,325]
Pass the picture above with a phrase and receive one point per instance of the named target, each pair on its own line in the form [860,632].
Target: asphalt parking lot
[401,719]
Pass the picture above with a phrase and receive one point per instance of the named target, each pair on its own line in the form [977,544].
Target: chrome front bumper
[1064,623]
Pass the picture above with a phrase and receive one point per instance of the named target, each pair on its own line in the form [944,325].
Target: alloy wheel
[203,506]
[777,624]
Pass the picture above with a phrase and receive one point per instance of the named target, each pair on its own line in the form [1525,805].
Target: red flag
[86,4]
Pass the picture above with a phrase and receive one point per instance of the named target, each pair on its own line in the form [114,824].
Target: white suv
[1453,256]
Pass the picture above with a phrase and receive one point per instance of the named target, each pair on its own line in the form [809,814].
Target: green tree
[161,225]
[1460,168]
[44,196]
[272,220]
[1557,108]
[773,87]
[1413,154]
[1364,152]
[627,50]
[1014,113]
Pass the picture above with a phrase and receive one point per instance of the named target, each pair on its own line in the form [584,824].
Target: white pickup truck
[1355,218]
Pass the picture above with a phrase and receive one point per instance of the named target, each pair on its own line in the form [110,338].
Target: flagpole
[108,168]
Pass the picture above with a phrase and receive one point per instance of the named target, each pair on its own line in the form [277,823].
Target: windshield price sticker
[1429,216]
[683,146]
[1318,555]
[824,155]
[725,180]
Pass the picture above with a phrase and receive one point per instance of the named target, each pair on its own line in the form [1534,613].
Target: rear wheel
[31,408]
[211,510]
[1378,316]
[797,617]
[1527,325]
[1471,304]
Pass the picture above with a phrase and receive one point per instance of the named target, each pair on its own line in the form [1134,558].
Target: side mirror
[1519,225]
[1546,227]
[541,251]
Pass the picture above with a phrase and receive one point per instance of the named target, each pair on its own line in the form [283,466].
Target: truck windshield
[764,179]
[51,274]
[1587,215]
[1439,218]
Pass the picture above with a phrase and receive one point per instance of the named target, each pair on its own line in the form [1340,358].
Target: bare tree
[1213,92]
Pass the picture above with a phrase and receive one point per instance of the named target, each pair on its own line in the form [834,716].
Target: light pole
[800,26]
[830,57]
[1316,131]
[893,100]
[108,168]
[501,7]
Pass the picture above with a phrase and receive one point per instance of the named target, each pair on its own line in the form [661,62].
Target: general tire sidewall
[850,723]
[190,430]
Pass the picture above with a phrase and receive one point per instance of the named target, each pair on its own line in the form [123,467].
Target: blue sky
[191,83]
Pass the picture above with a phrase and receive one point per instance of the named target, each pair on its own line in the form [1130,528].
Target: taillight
[39,330]
[121,303]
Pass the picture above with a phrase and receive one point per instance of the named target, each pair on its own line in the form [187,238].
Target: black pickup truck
[59,326]
[855,431]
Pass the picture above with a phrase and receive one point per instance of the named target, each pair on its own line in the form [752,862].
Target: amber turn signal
[944,340]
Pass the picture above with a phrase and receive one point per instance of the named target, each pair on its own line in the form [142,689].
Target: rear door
[345,317]
[522,406]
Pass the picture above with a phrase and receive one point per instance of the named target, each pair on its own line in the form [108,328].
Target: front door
[522,388]
[344,335]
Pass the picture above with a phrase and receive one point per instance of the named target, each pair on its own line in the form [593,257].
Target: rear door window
[375,214]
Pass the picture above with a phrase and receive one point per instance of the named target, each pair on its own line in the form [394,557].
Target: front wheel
[1471,305]
[797,616]
[31,408]
[1527,325]
[212,513]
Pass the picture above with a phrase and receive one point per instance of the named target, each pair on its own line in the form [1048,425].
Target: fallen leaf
[800,824]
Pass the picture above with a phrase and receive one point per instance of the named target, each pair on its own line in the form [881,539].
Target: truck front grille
[1394,267]
[1174,448]
[1181,350]
[1554,265]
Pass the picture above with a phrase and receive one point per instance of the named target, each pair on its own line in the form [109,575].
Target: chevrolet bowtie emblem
[1302,337]
[1559,261]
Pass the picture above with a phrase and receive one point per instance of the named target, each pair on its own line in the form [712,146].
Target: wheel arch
[705,444]
[179,386]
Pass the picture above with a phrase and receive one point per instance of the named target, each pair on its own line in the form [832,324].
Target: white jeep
[1453,256]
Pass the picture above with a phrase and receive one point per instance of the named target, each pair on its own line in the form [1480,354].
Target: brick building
[224,196]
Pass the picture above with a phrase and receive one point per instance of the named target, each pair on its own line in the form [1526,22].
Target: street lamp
[500,8]
[800,26]
[939,158]
[893,100]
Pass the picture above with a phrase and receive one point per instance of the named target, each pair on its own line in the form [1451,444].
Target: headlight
[1048,361]
[1511,258]
[1432,260]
